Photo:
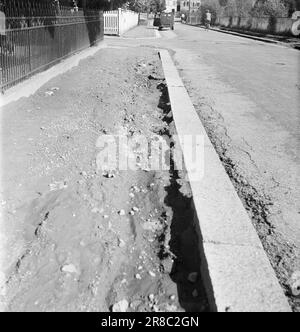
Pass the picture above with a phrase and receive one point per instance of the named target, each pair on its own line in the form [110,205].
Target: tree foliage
[274,8]
[136,5]
[245,8]
[241,8]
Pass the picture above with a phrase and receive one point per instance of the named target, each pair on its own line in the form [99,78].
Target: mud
[80,240]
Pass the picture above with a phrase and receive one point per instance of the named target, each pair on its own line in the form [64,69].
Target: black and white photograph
[149,159]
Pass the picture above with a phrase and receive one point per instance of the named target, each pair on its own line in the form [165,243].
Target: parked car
[164,20]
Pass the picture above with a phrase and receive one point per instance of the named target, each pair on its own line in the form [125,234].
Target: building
[171,5]
[185,5]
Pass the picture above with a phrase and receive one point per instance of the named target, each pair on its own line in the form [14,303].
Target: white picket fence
[119,21]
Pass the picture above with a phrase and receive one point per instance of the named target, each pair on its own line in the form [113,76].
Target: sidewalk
[76,238]
[142,32]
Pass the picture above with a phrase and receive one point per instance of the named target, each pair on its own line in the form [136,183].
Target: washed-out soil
[76,238]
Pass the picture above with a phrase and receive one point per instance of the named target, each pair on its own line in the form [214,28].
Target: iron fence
[31,44]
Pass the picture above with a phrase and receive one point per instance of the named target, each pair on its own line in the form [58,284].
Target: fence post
[29,49]
[119,21]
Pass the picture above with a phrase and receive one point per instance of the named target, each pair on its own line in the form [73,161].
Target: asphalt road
[267,74]
[247,94]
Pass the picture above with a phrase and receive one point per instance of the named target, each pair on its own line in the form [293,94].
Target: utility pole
[190,11]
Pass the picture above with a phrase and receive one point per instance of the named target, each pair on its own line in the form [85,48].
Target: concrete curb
[291,45]
[31,85]
[262,39]
[237,273]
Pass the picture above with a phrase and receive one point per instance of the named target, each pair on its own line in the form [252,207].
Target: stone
[121,306]
[121,243]
[295,283]
[122,213]
[171,308]
[134,304]
[192,277]
[195,293]
[151,297]
[70,268]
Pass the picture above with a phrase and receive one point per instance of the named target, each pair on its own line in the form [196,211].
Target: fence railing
[119,21]
[32,44]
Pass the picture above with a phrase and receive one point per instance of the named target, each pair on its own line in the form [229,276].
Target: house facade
[186,5]
[171,5]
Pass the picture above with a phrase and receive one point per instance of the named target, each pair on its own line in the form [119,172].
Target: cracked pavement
[246,93]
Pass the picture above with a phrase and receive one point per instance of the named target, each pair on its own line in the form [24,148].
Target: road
[247,95]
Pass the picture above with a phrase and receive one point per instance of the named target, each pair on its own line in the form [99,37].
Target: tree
[271,8]
[157,6]
[138,5]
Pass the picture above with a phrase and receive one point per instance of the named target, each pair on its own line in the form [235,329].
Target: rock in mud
[121,243]
[193,277]
[151,297]
[135,304]
[69,269]
[195,293]
[121,306]
[171,308]
[295,283]
[58,185]
[173,297]
[122,213]
[167,265]
[109,175]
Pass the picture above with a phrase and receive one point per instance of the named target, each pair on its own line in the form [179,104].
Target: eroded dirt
[78,239]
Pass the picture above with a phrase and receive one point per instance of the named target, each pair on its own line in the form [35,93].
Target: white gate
[119,21]
[111,23]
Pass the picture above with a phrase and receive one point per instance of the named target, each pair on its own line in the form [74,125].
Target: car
[164,20]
